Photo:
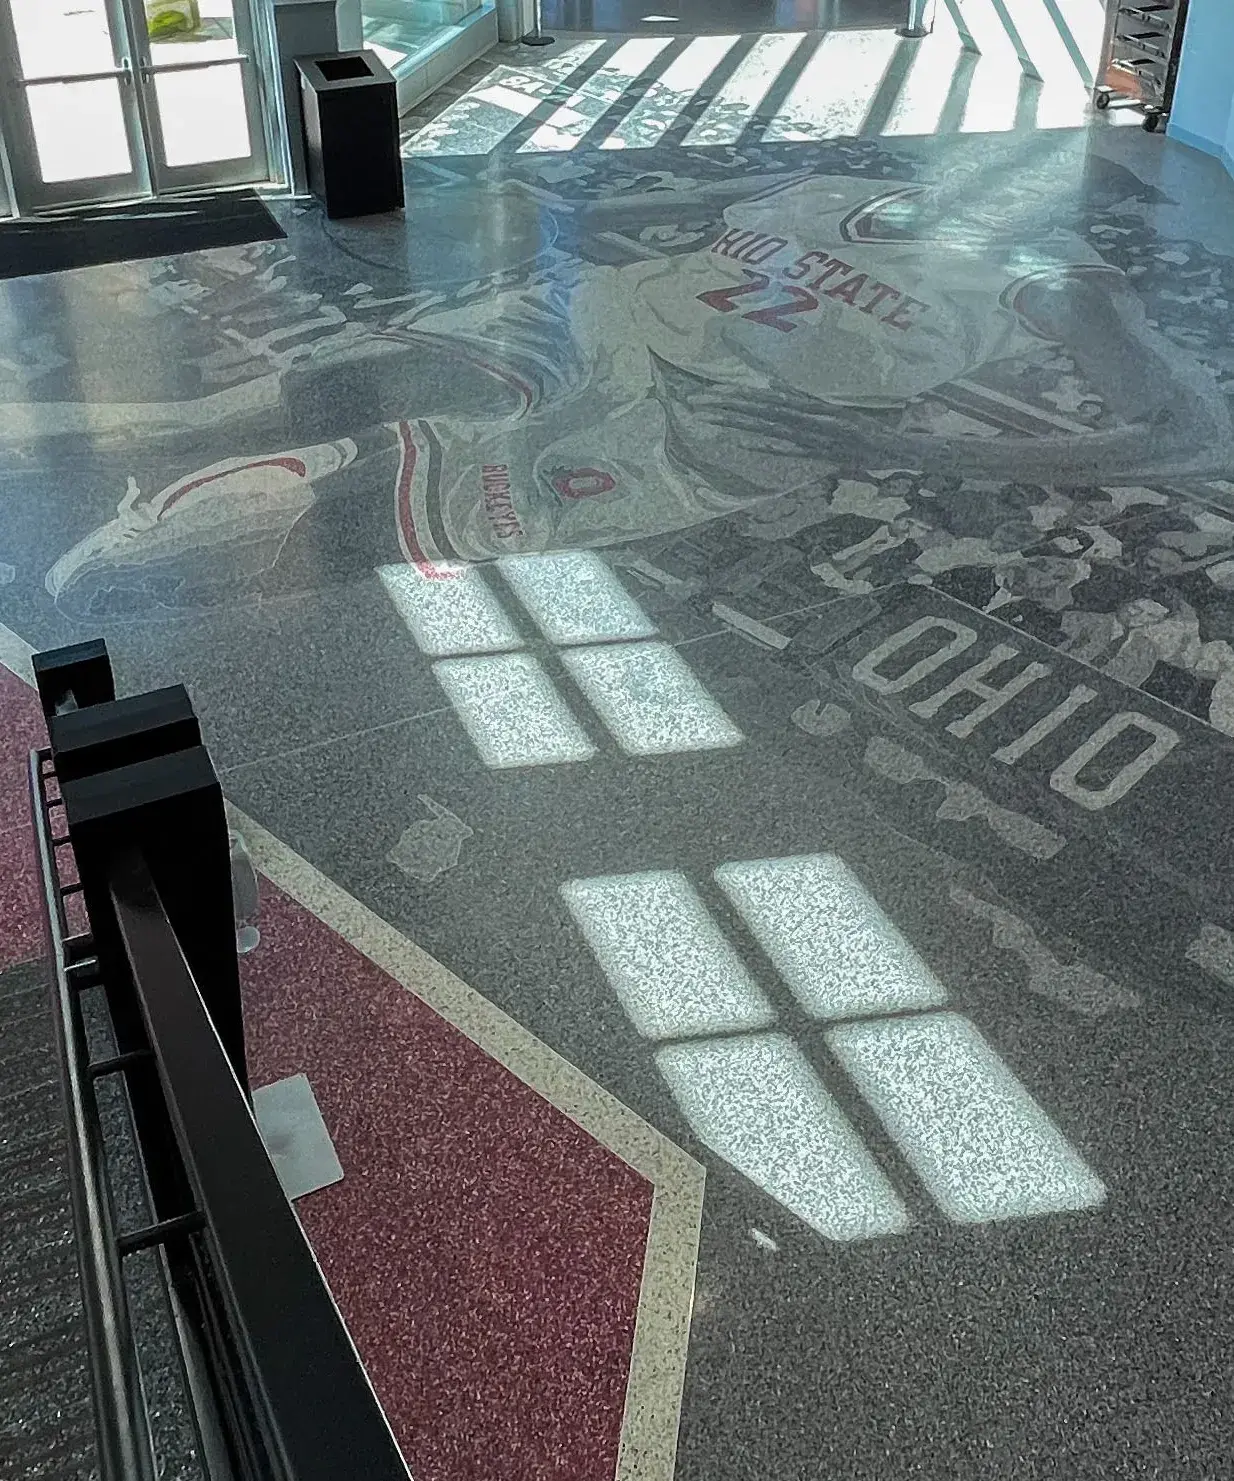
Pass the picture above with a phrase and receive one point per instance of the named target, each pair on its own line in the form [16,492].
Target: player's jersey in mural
[817,288]
[824,291]
[814,291]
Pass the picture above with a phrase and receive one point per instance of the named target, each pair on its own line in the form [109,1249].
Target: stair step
[46,1419]
[25,1071]
[23,998]
[27,1114]
[38,1198]
[55,1455]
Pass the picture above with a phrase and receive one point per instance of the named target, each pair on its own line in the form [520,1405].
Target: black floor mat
[86,236]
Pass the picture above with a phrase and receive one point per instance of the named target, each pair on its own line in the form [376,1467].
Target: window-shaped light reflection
[668,962]
[483,117]
[1050,47]
[511,711]
[670,94]
[575,597]
[756,1102]
[828,937]
[975,1137]
[729,113]
[650,699]
[919,105]
[453,612]
[1081,30]
[584,108]
[991,104]
[836,87]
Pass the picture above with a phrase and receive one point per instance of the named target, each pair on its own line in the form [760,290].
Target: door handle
[124,72]
[149,70]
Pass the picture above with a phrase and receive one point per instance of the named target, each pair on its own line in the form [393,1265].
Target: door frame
[246,170]
[135,72]
[30,192]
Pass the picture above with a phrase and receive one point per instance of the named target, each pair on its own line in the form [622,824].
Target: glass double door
[112,99]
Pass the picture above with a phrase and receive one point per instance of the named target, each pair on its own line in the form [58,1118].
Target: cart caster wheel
[1101,101]
[1152,123]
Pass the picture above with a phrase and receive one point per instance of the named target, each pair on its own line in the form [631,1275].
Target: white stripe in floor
[16,654]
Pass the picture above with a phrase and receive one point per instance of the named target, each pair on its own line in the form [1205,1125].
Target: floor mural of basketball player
[904,561]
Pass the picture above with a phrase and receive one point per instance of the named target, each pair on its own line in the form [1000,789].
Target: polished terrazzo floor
[758,609]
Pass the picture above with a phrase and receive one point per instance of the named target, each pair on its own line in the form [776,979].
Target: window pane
[190,30]
[79,130]
[56,38]
[203,115]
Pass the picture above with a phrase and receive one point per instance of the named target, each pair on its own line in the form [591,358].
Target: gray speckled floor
[962,590]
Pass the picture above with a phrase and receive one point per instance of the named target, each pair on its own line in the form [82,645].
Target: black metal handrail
[123,1448]
[277,1390]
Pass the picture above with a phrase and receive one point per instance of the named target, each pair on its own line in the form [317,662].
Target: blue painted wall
[1203,113]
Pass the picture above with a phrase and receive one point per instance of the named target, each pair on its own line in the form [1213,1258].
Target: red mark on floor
[484,1250]
[21,730]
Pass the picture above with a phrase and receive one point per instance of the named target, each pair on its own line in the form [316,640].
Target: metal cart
[1139,56]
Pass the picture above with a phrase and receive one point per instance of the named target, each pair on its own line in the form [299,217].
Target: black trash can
[351,141]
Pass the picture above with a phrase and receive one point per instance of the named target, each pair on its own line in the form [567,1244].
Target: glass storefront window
[404,33]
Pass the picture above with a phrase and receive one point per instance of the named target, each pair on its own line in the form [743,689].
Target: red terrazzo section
[485,1252]
[21,729]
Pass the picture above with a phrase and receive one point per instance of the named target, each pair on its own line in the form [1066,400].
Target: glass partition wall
[424,42]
